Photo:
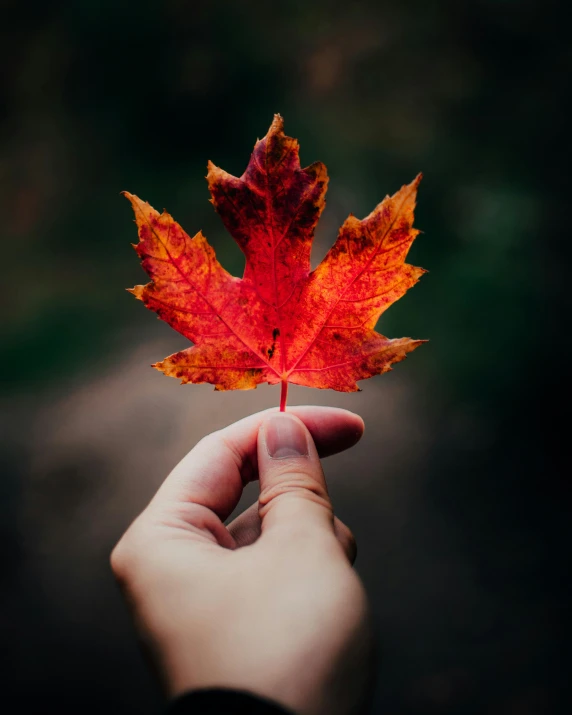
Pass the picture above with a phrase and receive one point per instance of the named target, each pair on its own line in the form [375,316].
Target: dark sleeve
[224,702]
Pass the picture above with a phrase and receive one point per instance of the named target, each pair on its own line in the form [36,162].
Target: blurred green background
[458,495]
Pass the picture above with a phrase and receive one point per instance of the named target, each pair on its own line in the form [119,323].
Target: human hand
[269,604]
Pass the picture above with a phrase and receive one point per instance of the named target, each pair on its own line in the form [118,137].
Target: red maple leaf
[281,322]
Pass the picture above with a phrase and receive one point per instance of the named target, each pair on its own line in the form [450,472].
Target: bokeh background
[459,493]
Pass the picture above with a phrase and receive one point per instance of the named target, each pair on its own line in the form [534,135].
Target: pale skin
[269,604]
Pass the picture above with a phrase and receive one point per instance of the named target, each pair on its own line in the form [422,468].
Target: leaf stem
[283,395]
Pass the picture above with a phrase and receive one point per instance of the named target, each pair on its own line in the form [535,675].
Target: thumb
[293,492]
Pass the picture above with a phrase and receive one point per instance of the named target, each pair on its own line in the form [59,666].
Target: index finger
[214,473]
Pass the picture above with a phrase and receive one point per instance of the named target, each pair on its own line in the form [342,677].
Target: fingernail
[285,437]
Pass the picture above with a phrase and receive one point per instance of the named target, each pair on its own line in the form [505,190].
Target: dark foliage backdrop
[459,494]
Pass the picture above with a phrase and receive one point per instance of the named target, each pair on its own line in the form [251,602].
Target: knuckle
[293,494]
[297,484]
[351,547]
[346,539]
[208,441]
[119,561]
[124,555]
